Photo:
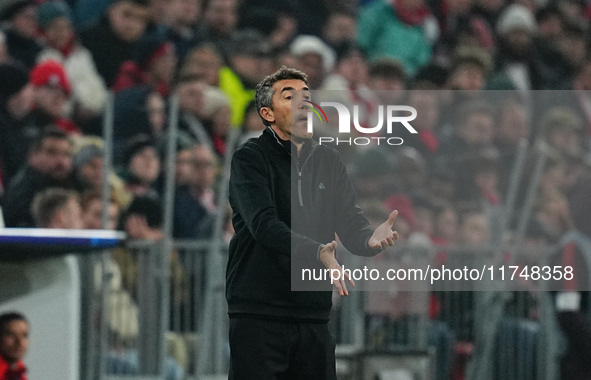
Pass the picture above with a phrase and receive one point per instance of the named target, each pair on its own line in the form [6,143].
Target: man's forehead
[289,85]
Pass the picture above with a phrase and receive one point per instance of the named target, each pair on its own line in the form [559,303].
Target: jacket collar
[281,145]
[286,146]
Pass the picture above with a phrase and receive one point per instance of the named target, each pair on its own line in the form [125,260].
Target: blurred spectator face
[553,212]
[204,63]
[137,227]
[54,158]
[59,32]
[160,11]
[424,221]
[25,22]
[567,142]
[572,10]
[183,168]
[71,215]
[468,77]
[191,98]
[285,30]
[14,341]
[186,12]
[403,227]
[163,67]
[92,173]
[156,112]
[427,105]
[252,69]
[92,215]
[339,28]
[487,181]
[513,125]
[446,225]
[574,49]
[313,65]
[221,16]
[554,177]
[550,28]
[128,20]
[519,42]
[221,121]
[145,165]
[20,104]
[50,100]
[203,161]
[354,68]
[252,121]
[473,230]
[477,129]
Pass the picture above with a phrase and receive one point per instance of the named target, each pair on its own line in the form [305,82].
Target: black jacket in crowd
[283,206]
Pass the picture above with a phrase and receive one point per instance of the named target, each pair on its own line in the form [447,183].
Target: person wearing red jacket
[14,343]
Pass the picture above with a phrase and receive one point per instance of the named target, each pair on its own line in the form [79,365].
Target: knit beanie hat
[137,144]
[51,10]
[86,154]
[51,73]
[516,17]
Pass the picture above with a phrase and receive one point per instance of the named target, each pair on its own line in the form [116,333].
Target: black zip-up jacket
[267,188]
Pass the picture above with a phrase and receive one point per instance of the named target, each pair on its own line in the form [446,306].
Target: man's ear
[267,114]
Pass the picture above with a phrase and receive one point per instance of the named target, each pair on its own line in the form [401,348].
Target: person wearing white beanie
[516,17]
[314,57]
[518,64]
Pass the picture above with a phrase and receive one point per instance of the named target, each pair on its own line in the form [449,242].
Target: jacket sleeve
[351,226]
[251,197]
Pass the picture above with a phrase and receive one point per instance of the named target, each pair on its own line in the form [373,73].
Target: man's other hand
[327,257]
[383,237]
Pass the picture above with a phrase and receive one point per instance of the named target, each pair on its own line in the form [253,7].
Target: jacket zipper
[300,197]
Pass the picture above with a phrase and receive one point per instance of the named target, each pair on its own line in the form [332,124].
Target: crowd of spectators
[60,58]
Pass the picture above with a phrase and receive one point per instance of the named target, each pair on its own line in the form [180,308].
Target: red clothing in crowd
[7,373]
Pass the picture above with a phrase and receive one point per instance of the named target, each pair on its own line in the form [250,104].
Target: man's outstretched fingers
[348,277]
[392,217]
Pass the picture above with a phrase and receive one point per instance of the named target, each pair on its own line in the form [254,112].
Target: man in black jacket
[277,333]
[49,164]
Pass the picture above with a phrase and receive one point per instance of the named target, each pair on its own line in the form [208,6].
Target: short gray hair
[264,90]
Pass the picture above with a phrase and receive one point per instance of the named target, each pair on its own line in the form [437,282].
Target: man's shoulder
[253,144]
[253,149]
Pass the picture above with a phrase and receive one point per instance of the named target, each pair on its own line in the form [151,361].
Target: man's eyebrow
[293,89]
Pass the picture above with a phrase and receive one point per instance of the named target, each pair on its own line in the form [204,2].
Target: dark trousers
[275,350]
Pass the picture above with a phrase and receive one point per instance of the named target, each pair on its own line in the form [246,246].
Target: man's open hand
[327,257]
[383,237]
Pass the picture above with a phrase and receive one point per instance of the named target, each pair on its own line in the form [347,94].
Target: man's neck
[298,145]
